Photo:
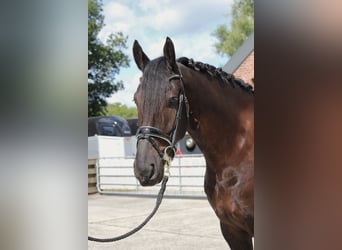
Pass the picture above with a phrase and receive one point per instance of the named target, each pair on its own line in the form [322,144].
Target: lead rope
[133,231]
[167,158]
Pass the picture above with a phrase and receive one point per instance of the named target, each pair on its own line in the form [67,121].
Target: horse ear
[140,57]
[169,53]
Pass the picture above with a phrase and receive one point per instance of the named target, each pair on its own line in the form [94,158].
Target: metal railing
[115,175]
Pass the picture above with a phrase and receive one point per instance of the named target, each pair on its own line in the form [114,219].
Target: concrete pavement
[179,224]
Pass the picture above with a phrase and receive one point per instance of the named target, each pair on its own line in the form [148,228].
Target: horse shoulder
[230,193]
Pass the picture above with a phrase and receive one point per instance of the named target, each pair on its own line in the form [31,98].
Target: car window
[110,130]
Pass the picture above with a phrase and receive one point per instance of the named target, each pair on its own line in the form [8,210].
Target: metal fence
[115,175]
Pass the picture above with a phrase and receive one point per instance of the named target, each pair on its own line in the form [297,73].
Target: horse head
[160,101]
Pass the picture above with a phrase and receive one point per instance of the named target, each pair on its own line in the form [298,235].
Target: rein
[148,133]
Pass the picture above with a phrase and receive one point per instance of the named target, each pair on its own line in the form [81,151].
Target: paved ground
[180,224]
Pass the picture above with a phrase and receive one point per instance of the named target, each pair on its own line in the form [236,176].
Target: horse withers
[175,96]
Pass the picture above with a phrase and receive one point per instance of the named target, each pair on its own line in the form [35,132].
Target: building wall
[246,70]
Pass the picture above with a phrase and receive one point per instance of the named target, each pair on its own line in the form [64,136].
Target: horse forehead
[153,99]
[156,86]
[156,67]
[152,77]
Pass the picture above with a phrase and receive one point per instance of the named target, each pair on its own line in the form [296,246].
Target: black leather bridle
[150,133]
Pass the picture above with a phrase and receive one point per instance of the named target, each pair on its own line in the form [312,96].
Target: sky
[189,23]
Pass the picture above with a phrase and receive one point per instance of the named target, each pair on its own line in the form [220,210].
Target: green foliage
[104,61]
[242,25]
[118,109]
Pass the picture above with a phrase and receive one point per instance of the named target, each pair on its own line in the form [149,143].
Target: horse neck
[217,114]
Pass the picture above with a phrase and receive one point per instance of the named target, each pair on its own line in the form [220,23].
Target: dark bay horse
[175,96]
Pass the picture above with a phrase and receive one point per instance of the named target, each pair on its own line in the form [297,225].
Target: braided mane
[218,73]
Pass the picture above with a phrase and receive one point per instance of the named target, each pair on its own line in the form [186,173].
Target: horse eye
[173,102]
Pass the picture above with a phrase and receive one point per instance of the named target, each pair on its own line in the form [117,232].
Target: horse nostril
[152,170]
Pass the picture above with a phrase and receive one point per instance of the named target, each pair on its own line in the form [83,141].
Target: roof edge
[240,55]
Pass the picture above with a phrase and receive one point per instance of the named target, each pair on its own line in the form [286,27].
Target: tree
[242,25]
[118,109]
[104,61]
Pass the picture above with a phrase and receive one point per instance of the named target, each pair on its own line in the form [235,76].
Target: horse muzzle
[148,166]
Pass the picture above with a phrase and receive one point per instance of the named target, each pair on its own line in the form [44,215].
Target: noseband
[149,133]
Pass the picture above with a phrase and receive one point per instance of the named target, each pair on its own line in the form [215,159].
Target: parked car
[108,126]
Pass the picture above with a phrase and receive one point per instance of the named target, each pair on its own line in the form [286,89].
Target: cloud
[187,16]
[188,23]
[118,17]
[165,16]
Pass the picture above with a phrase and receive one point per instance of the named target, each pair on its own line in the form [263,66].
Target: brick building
[241,64]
